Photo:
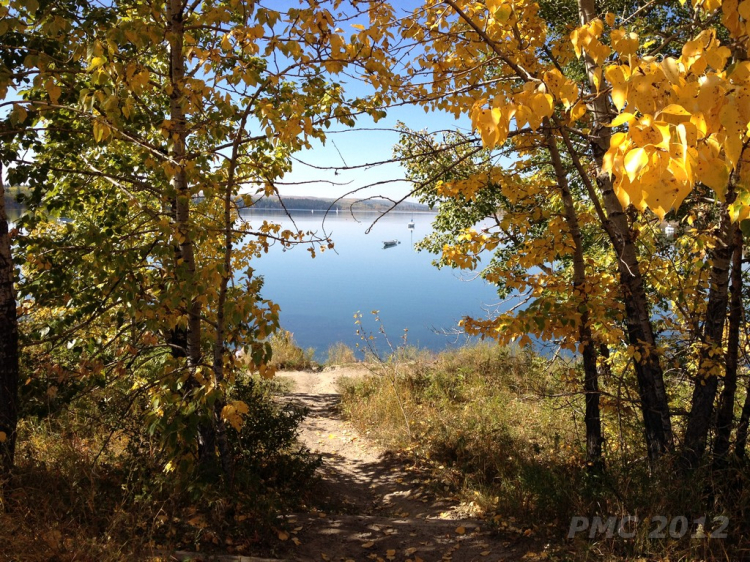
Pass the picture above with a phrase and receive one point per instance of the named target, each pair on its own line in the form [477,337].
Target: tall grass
[287,355]
[478,413]
[502,429]
[340,354]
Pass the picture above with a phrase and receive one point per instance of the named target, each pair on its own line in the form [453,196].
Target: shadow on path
[372,505]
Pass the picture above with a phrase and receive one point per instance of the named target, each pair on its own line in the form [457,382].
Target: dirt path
[376,506]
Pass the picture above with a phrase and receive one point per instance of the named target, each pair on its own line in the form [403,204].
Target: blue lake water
[319,297]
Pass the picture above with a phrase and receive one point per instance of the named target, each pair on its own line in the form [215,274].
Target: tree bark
[725,413]
[741,438]
[186,271]
[649,372]
[588,350]
[707,380]
[227,460]
[8,346]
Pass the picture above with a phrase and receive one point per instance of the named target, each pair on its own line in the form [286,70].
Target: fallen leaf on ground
[460,530]
[367,544]
[283,536]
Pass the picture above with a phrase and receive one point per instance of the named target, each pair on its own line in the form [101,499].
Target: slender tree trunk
[711,355]
[588,349]
[725,414]
[740,442]
[649,373]
[186,271]
[225,453]
[8,346]
[227,460]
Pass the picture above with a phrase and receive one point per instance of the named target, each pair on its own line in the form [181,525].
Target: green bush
[266,447]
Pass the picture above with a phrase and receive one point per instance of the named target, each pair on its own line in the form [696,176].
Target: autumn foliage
[139,125]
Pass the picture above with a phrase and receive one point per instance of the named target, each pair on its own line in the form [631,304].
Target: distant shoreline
[295,204]
[329,211]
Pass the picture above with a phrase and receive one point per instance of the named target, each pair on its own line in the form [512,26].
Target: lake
[319,297]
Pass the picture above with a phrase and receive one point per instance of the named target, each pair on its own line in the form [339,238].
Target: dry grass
[501,429]
[340,354]
[287,355]
[478,416]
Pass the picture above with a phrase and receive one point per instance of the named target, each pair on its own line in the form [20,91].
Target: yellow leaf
[671,69]
[3,437]
[283,536]
[19,113]
[687,133]
[699,121]
[623,117]
[543,105]
[577,111]
[367,544]
[634,162]
[619,95]
[714,173]
[624,42]
[96,62]
[493,5]
[460,530]
[675,109]
[53,91]
[296,541]
[358,26]
[717,57]
[240,407]
[733,148]
[596,77]
[101,131]
[691,52]
[488,124]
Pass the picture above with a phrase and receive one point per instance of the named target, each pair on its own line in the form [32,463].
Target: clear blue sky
[360,146]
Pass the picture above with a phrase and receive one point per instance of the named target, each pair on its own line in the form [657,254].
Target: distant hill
[322,204]
[292,203]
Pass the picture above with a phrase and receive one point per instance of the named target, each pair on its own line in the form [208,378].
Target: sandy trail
[376,505]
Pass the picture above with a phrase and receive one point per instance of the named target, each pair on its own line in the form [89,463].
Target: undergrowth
[81,492]
[501,429]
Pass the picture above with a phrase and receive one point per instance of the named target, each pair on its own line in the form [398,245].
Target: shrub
[340,354]
[287,355]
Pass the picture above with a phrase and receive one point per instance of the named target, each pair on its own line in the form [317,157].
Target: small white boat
[390,243]
[411,225]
